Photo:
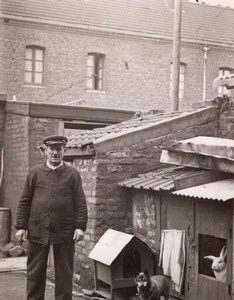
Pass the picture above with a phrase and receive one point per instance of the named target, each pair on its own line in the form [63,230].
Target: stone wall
[145,217]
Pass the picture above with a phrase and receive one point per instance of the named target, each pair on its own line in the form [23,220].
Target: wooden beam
[200,178]
[79,152]
[83,113]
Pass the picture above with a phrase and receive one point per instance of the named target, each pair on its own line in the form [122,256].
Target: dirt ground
[13,287]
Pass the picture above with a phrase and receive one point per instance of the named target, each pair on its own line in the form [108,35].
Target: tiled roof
[160,179]
[83,137]
[154,17]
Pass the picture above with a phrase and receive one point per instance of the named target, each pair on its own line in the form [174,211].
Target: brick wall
[39,128]
[22,135]
[2,124]
[16,160]
[143,84]
[225,125]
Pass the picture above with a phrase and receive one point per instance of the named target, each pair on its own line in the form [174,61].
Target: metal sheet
[197,160]
[109,246]
[206,145]
[222,190]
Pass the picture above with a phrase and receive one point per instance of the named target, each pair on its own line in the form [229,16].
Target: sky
[229,3]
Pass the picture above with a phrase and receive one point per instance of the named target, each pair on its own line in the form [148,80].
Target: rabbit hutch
[118,258]
[194,198]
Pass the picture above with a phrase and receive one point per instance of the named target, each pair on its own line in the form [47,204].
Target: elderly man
[52,211]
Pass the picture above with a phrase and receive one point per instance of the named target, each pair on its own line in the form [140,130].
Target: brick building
[111,53]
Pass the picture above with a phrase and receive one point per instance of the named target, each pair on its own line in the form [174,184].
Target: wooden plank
[200,178]
[104,293]
[74,152]
[123,283]
[103,272]
[208,288]
[96,114]
[212,219]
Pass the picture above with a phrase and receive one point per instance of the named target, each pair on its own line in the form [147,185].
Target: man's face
[55,154]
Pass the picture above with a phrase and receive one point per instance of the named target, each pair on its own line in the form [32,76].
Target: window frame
[34,61]
[97,71]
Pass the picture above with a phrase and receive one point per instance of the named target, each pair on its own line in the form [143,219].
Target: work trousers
[37,266]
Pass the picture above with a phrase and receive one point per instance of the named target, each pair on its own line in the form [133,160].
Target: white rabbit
[219,266]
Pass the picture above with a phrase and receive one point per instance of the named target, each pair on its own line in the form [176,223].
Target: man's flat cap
[55,140]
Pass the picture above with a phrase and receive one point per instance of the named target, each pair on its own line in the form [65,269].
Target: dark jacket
[52,204]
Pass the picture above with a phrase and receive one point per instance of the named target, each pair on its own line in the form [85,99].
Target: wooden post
[176,56]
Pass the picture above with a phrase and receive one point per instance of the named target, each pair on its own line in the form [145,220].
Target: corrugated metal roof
[155,17]
[222,190]
[161,179]
[109,246]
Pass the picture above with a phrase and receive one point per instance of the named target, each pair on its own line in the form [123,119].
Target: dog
[152,287]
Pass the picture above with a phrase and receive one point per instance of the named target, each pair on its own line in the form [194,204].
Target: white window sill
[95,91]
[34,86]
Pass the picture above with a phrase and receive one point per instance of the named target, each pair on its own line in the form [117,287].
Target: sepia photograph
[116,149]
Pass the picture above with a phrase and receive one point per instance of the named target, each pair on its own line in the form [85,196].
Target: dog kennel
[118,258]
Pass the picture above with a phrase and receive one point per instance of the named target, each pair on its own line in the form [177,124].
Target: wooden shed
[118,258]
[200,203]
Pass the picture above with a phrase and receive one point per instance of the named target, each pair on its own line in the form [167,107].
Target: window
[95,71]
[34,65]
[222,90]
[211,247]
[181,84]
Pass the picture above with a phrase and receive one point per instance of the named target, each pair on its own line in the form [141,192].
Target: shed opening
[209,245]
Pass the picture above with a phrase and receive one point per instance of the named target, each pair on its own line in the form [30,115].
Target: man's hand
[78,235]
[21,235]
